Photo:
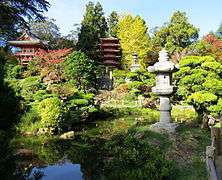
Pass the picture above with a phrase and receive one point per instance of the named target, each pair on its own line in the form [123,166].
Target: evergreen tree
[113,22]
[14,15]
[175,35]
[46,30]
[133,36]
[93,27]
[219,32]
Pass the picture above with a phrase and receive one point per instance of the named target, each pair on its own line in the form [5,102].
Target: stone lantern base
[164,127]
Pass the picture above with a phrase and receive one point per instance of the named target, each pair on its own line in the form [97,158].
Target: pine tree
[175,35]
[112,23]
[93,27]
[133,36]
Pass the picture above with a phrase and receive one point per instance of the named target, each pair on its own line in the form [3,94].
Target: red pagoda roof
[28,38]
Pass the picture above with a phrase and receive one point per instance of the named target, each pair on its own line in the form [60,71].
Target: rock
[67,135]
[43,131]
[25,153]
[28,133]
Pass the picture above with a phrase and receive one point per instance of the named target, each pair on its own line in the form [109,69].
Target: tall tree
[79,68]
[219,31]
[175,35]
[133,36]
[14,15]
[93,27]
[46,30]
[112,23]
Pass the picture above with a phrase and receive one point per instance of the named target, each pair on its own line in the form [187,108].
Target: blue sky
[204,14]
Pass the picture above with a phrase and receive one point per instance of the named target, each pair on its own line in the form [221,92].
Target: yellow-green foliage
[50,112]
[133,36]
[200,82]
[182,114]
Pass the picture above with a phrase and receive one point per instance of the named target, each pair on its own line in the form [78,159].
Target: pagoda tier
[110,50]
[27,45]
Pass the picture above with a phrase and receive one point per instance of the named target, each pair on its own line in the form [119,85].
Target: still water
[65,170]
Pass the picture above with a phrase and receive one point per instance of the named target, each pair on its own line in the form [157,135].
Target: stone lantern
[135,65]
[164,89]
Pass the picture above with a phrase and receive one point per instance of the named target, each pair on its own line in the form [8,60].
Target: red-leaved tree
[214,45]
[52,56]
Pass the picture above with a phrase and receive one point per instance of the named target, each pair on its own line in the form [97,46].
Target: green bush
[79,68]
[199,80]
[119,77]
[30,121]
[183,114]
[50,111]
[132,158]
[29,86]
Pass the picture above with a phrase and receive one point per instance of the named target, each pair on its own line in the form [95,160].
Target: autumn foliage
[214,45]
[52,56]
[212,40]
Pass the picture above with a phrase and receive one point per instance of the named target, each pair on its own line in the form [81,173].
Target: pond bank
[121,146]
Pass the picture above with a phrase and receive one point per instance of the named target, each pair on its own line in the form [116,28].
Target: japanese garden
[113,99]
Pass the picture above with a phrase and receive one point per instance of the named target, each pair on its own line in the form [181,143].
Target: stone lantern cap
[164,65]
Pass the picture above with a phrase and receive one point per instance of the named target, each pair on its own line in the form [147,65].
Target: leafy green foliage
[79,68]
[132,33]
[46,30]
[29,86]
[175,35]
[181,114]
[50,111]
[79,107]
[14,15]
[134,158]
[113,21]
[199,80]
[93,27]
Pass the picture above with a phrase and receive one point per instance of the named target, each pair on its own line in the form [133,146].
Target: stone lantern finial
[163,55]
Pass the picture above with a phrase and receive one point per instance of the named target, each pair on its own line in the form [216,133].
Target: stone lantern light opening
[164,89]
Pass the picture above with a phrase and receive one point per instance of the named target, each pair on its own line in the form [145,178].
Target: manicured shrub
[184,114]
[199,80]
[29,86]
[50,111]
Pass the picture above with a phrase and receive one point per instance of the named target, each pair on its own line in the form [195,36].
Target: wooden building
[26,47]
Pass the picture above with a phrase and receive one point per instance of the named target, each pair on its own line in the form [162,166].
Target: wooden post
[215,136]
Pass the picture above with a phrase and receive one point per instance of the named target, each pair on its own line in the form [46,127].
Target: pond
[100,152]
[63,170]
[90,156]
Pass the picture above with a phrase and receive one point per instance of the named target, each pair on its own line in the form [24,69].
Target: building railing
[24,53]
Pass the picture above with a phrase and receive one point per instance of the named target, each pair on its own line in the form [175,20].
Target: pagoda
[110,50]
[26,47]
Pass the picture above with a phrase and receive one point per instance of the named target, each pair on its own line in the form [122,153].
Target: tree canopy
[113,20]
[46,30]
[175,35]
[93,27]
[200,83]
[133,36]
[14,15]
[80,69]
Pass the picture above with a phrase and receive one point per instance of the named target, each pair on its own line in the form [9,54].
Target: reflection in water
[67,171]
